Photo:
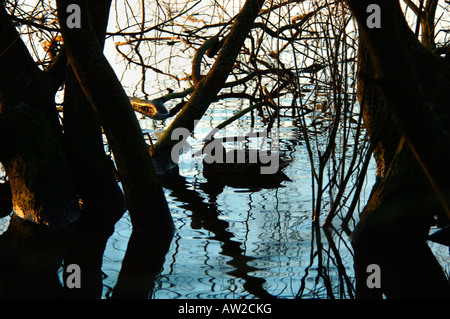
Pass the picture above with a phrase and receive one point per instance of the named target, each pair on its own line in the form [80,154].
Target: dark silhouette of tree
[402,77]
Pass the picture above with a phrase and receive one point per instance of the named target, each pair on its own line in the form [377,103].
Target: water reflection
[35,259]
[265,236]
[205,215]
[229,243]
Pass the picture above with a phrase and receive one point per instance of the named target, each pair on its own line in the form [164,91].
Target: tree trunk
[415,85]
[103,202]
[144,195]
[96,183]
[395,222]
[428,22]
[31,145]
[382,130]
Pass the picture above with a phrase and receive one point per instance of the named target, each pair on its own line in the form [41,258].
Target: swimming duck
[243,168]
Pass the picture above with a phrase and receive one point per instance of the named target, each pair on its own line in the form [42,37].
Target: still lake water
[238,243]
[270,229]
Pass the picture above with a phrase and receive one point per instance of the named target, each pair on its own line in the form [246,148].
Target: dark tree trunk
[382,130]
[103,202]
[395,223]
[31,144]
[96,183]
[415,85]
[52,172]
[144,195]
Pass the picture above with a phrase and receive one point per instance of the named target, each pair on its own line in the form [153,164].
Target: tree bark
[428,32]
[381,128]
[144,195]
[395,222]
[96,183]
[31,145]
[412,81]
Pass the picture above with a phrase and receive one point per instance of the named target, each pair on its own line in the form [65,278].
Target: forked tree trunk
[145,198]
[395,223]
[31,147]
[96,183]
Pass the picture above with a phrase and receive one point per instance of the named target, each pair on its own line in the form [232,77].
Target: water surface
[238,239]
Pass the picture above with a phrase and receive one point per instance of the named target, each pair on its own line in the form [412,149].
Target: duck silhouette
[243,168]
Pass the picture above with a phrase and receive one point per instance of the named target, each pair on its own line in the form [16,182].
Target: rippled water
[236,243]
[268,232]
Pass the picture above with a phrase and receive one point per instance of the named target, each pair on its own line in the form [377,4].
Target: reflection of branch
[340,266]
[206,216]
[233,118]
[143,261]
[321,273]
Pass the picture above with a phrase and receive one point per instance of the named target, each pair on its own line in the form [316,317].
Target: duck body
[244,168]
